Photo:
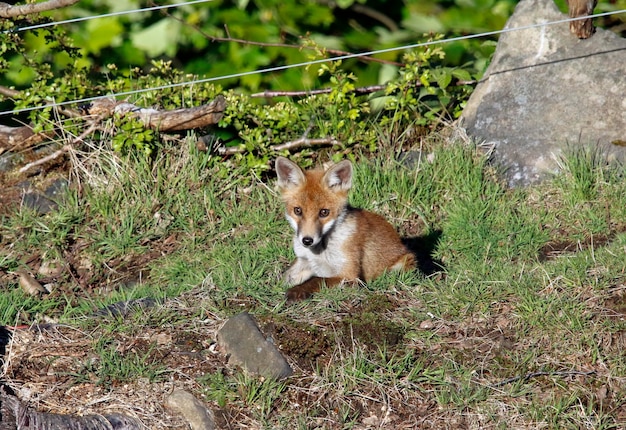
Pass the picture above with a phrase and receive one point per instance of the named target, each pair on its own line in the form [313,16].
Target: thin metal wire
[308,63]
[87,18]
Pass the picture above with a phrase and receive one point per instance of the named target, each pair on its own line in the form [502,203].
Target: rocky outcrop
[546,90]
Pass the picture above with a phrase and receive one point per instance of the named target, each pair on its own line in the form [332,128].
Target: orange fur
[334,242]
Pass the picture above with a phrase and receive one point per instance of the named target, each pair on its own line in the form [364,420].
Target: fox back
[334,242]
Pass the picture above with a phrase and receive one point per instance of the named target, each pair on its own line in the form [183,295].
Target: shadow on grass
[423,247]
[5,338]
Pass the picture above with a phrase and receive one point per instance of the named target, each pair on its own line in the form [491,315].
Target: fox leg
[309,287]
[298,272]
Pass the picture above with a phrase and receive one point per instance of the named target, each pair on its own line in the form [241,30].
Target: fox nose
[307,241]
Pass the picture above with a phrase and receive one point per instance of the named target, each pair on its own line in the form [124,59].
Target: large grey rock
[246,346]
[546,89]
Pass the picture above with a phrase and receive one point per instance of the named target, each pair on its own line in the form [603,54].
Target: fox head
[315,200]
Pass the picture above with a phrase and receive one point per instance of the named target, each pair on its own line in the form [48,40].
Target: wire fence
[105,15]
[52,103]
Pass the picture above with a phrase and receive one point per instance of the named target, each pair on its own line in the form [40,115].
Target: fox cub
[333,242]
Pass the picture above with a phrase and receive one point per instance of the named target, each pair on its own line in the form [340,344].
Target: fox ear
[339,176]
[289,173]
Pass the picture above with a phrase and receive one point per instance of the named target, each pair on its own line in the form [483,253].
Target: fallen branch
[13,11]
[536,374]
[163,120]
[17,138]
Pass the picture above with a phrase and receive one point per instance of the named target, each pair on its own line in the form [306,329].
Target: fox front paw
[304,290]
[296,294]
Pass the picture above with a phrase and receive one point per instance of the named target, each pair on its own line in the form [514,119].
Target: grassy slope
[524,328]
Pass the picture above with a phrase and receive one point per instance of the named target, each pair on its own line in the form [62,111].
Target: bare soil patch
[556,248]
[59,369]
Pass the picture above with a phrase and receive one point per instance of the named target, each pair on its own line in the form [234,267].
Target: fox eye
[297,210]
[324,213]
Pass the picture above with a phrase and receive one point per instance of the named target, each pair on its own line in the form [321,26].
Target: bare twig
[377,15]
[231,150]
[536,374]
[228,38]
[308,130]
[302,142]
[16,138]
[173,120]
[65,148]
[9,92]
[13,11]
[360,90]
[337,52]
[50,157]
[368,11]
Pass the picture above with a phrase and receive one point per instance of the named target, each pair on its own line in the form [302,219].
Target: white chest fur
[328,259]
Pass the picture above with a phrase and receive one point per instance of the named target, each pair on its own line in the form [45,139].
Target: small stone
[39,203]
[427,325]
[195,412]
[56,189]
[241,338]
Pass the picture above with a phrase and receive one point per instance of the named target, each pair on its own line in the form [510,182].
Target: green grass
[532,283]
